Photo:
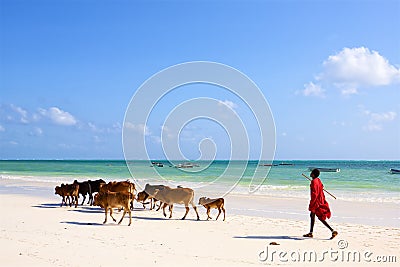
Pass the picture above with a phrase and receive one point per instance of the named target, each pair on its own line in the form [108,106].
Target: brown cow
[169,196]
[124,186]
[109,200]
[59,190]
[143,196]
[68,190]
[209,203]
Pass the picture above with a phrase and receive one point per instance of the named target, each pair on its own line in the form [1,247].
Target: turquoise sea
[357,180]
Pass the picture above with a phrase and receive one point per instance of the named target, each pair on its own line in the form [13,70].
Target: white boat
[394,171]
[325,169]
[186,165]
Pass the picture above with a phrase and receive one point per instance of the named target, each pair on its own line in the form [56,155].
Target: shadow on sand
[281,237]
[48,205]
[83,223]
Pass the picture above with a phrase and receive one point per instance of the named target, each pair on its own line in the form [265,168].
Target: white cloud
[139,128]
[228,103]
[14,113]
[2,129]
[311,89]
[352,68]
[376,120]
[58,116]
[36,132]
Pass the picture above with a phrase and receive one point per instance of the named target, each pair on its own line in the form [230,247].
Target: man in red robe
[318,205]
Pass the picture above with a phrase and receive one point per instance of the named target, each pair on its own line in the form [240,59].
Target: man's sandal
[308,235]
[334,233]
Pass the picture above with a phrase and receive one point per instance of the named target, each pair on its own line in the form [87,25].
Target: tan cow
[109,200]
[150,190]
[169,196]
[209,203]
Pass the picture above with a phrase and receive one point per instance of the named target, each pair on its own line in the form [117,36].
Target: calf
[143,196]
[209,203]
[59,190]
[68,190]
[124,186]
[109,200]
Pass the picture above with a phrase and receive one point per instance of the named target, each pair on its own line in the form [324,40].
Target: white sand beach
[35,231]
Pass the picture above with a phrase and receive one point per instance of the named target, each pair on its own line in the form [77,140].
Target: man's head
[314,173]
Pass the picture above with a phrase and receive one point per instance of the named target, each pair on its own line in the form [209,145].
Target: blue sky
[328,69]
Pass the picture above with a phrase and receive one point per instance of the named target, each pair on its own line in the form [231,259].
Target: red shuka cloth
[318,204]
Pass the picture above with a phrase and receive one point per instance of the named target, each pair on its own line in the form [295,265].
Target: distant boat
[394,171]
[286,164]
[158,164]
[268,165]
[186,165]
[325,169]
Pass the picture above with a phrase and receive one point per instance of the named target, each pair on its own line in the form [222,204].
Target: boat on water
[186,165]
[286,164]
[158,164]
[394,171]
[324,169]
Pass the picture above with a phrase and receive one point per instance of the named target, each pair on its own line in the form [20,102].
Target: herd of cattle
[122,194]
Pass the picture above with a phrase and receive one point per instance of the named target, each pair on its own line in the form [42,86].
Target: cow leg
[152,203]
[76,201]
[112,216]
[159,207]
[106,211]
[219,212]
[84,197]
[171,207]
[123,214]
[223,211]
[90,199]
[164,206]
[195,209]
[208,213]
[130,217]
[187,211]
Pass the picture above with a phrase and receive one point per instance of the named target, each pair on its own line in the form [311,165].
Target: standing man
[318,205]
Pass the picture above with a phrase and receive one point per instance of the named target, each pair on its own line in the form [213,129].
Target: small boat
[268,165]
[186,165]
[286,164]
[158,164]
[324,169]
[394,171]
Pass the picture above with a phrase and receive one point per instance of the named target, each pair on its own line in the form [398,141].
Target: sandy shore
[35,231]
